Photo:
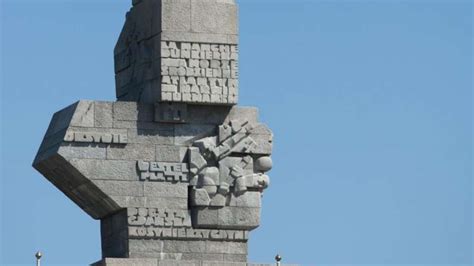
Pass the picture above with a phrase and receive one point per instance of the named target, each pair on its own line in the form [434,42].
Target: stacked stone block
[173,169]
[179,51]
[199,73]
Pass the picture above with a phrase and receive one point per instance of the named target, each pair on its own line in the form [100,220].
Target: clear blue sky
[370,103]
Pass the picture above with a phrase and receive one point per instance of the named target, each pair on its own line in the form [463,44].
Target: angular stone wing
[115,161]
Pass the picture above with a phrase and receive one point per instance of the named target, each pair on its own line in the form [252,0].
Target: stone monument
[173,169]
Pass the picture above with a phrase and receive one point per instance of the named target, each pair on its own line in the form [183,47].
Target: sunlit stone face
[173,169]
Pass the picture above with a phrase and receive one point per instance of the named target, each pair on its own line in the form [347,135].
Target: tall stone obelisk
[174,169]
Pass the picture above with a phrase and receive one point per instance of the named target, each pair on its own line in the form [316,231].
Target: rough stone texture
[103,114]
[170,153]
[179,51]
[251,199]
[156,262]
[174,170]
[268,264]
[244,217]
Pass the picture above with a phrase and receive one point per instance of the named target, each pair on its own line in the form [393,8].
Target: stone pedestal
[156,262]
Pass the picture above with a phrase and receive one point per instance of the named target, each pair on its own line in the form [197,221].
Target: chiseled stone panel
[179,51]
[199,72]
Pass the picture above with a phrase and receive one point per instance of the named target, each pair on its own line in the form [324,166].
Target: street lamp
[278,259]
[38,256]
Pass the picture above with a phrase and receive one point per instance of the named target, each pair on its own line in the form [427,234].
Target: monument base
[157,262]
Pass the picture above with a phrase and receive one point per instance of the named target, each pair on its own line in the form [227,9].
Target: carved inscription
[158,217]
[199,73]
[153,223]
[185,233]
[160,171]
[94,137]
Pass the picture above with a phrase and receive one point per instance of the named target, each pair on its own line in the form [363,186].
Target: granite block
[103,116]
[131,152]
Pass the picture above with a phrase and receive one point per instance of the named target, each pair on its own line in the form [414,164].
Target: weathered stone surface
[83,115]
[166,190]
[103,116]
[146,228]
[237,218]
[187,134]
[268,264]
[171,246]
[226,247]
[250,199]
[218,260]
[157,217]
[120,188]
[61,120]
[227,164]
[132,201]
[249,114]
[200,197]
[225,263]
[167,202]
[125,124]
[176,246]
[114,235]
[83,151]
[131,152]
[214,17]
[171,112]
[163,171]
[179,263]
[236,257]
[174,169]
[166,35]
[106,169]
[198,73]
[95,135]
[263,164]
[205,218]
[196,161]
[176,15]
[160,135]
[133,111]
[199,37]
[170,153]
[126,262]
[203,257]
[218,200]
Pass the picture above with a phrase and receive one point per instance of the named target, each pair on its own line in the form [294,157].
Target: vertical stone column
[179,51]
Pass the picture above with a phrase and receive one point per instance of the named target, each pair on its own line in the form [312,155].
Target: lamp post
[38,256]
[278,259]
